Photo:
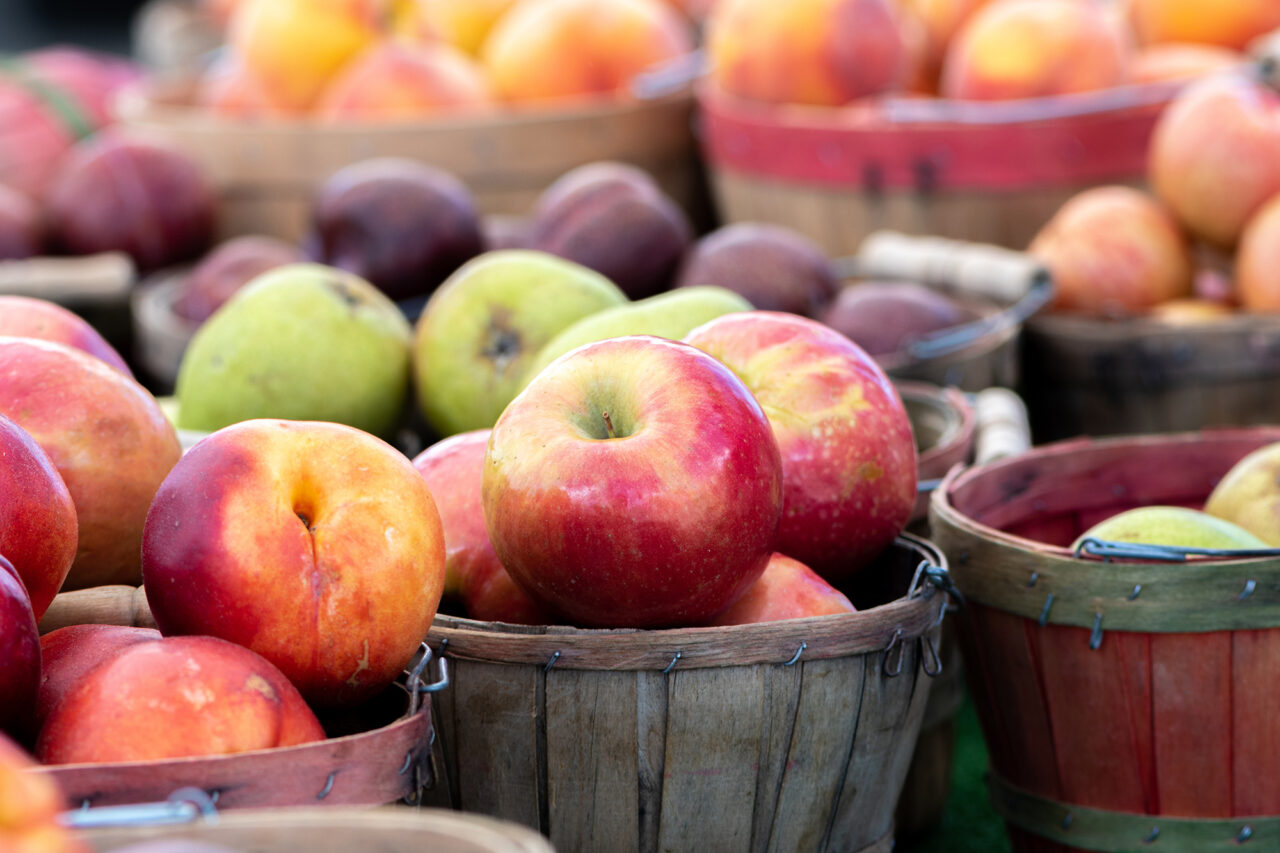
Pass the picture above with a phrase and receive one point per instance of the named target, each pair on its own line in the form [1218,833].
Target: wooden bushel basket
[1099,377]
[267,170]
[790,735]
[381,753]
[990,172]
[1127,704]
[336,830]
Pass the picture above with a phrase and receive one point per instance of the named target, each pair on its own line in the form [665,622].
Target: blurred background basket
[988,172]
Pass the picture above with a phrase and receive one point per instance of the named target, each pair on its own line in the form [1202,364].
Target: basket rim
[1047,583]
[961,418]
[877,629]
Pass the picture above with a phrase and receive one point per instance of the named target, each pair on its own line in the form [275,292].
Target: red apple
[788,589]
[848,455]
[68,654]
[173,698]
[38,529]
[107,437]
[24,317]
[19,653]
[633,483]
[347,528]
[453,469]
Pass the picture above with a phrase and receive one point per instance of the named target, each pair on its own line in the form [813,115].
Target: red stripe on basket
[863,147]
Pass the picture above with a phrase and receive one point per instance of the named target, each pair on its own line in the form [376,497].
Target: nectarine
[1229,23]
[403,81]
[1258,260]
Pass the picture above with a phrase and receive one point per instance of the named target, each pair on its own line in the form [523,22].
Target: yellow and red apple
[108,439]
[316,545]
[788,589]
[474,576]
[634,483]
[848,454]
[176,697]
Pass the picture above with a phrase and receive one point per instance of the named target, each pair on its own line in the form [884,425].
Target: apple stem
[608,425]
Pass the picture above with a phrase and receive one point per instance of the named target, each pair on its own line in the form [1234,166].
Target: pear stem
[608,425]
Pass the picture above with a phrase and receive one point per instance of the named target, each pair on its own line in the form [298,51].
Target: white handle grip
[106,277]
[973,268]
[1002,425]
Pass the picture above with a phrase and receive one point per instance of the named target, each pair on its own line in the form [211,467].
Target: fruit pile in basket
[834,52]
[1202,243]
[343,60]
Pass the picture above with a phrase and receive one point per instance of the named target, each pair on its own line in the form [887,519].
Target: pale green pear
[1249,494]
[1174,526]
[300,342]
[668,315]
[482,328]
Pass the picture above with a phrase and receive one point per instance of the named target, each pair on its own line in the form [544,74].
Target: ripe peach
[38,530]
[29,807]
[228,88]
[295,47]
[1212,158]
[553,49]
[1034,48]
[1182,61]
[25,317]
[173,698]
[822,52]
[396,81]
[107,437]
[465,24]
[788,589]
[1114,251]
[348,529]
[453,469]
[941,20]
[1229,23]
[1257,282]
[69,654]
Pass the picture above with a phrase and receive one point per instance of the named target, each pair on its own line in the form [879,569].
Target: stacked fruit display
[834,52]
[1118,252]
[344,60]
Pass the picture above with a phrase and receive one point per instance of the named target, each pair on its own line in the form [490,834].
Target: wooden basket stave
[689,739]
[267,170]
[1169,716]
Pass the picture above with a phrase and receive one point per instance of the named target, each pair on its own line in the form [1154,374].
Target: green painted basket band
[1018,577]
[1122,832]
[60,103]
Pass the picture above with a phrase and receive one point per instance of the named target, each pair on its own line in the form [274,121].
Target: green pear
[300,342]
[1174,526]
[1249,494]
[482,328]
[668,315]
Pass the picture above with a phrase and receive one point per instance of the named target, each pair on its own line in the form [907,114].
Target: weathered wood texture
[733,747]
[340,830]
[1168,710]
[267,171]
[1098,377]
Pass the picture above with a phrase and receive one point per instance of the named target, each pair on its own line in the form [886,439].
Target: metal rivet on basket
[926,642]
[1067,821]
[1095,638]
[1035,576]
[328,786]
[964,557]
[796,656]
[892,672]
[1246,832]
[672,665]
[408,759]
[1249,587]
[555,656]
[1044,611]
[1152,836]
[1137,588]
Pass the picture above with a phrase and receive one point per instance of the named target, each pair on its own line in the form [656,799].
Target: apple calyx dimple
[502,347]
